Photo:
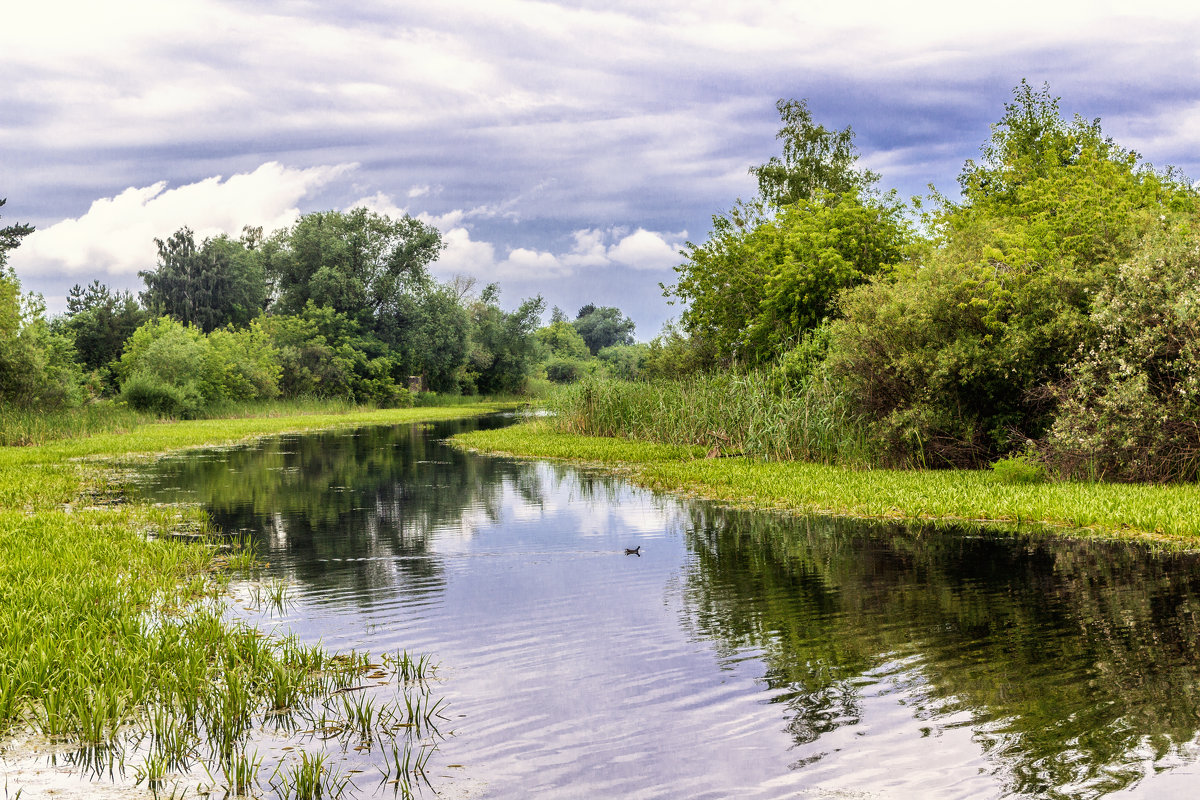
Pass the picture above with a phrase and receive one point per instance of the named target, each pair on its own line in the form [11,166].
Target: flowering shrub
[1130,408]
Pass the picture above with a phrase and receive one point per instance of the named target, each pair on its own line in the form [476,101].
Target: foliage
[1129,407]
[815,160]
[309,365]
[170,368]
[772,268]
[439,346]
[358,263]
[502,348]
[218,283]
[566,370]
[950,358]
[251,362]
[1019,469]
[806,256]
[37,365]
[602,327]
[11,236]
[99,321]
[625,361]
[561,339]
[673,354]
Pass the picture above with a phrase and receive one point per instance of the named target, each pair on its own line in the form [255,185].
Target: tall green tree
[954,355]
[358,262]
[99,321]
[216,283]
[771,268]
[816,160]
[37,366]
[603,326]
[503,348]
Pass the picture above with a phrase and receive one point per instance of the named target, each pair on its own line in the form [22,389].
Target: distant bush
[145,391]
[565,370]
[625,361]
[1021,469]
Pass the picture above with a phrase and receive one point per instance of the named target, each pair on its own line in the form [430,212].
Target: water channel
[747,655]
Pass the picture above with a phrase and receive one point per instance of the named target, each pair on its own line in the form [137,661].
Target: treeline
[340,305]
[1050,314]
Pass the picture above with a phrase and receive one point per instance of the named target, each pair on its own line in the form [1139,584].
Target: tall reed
[747,414]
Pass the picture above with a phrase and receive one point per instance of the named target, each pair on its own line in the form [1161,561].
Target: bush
[1022,469]
[1129,409]
[176,356]
[145,391]
[565,370]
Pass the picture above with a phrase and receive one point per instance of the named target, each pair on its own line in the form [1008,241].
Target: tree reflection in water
[1077,661]
[374,496]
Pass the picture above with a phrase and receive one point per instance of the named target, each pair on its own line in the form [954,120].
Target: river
[736,654]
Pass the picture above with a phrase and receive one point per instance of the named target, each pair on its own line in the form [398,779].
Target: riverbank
[1166,514]
[113,637]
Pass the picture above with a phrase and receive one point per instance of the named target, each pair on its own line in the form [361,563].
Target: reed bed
[113,640]
[729,414]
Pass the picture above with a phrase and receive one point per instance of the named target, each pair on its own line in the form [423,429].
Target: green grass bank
[113,634]
[1164,513]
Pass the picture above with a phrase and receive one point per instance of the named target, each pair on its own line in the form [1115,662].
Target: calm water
[742,654]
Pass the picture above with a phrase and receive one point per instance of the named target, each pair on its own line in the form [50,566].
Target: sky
[566,149]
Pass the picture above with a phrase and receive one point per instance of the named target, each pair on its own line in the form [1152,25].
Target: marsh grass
[1164,513]
[114,641]
[726,414]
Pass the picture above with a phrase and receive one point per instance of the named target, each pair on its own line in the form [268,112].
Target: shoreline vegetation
[1166,514]
[115,643]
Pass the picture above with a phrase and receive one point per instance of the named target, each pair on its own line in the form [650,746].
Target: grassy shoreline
[1168,514]
[111,635]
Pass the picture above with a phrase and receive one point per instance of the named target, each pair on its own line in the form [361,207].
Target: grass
[731,414]
[112,635]
[1157,512]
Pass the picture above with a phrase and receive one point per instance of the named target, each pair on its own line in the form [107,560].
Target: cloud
[116,234]
[591,249]
[645,249]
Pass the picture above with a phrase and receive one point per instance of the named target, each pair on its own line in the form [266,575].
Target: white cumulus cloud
[116,234]
[645,249]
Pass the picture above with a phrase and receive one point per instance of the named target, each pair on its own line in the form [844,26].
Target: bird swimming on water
[634,551]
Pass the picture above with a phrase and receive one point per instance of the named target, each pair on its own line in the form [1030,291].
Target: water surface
[743,654]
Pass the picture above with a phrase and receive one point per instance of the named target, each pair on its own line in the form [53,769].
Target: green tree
[218,283]
[603,326]
[358,263]
[503,348]
[170,368]
[771,268]
[99,321]
[443,328]
[815,160]
[37,366]
[560,339]
[755,294]
[953,357]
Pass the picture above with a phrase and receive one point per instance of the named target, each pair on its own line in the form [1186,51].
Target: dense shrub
[146,391]
[1130,406]
[565,370]
[950,357]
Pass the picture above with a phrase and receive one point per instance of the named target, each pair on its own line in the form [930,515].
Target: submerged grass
[1158,512]
[110,633]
